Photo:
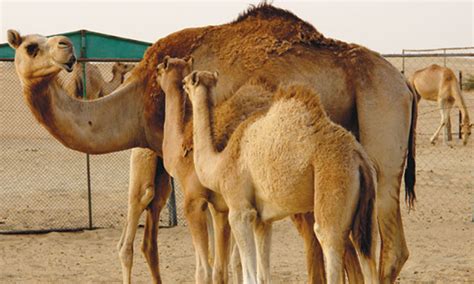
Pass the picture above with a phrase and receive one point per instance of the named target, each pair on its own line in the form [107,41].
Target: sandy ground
[43,186]
[441,252]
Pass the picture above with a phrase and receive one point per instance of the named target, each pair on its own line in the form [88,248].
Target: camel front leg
[140,194]
[263,241]
[314,255]
[222,237]
[242,222]
[150,237]
[125,246]
[195,208]
[236,264]
[436,134]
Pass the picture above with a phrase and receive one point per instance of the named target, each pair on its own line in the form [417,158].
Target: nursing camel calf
[286,160]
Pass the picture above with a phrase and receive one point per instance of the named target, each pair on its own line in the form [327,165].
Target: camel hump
[302,93]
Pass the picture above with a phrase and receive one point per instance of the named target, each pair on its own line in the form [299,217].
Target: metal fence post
[459,112]
[84,96]
[444,57]
[403,61]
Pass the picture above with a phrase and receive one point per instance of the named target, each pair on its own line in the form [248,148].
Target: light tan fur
[439,84]
[180,164]
[96,85]
[291,159]
[359,89]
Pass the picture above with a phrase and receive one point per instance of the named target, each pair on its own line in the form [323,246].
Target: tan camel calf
[287,160]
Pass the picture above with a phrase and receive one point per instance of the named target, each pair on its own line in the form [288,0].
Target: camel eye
[32,49]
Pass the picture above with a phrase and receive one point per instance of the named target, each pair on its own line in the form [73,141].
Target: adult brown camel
[439,84]
[359,89]
[96,85]
[147,177]
[261,185]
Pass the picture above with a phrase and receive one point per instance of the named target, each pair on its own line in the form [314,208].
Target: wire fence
[48,187]
[45,186]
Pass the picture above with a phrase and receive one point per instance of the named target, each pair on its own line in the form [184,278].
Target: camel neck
[105,125]
[173,136]
[206,157]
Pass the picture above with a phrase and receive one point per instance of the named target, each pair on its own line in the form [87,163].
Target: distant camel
[437,83]
[289,159]
[96,86]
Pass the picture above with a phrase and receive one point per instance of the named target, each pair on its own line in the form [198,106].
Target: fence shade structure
[47,187]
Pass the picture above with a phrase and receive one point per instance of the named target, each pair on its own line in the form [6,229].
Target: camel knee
[248,215]
[126,255]
[195,206]
[148,195]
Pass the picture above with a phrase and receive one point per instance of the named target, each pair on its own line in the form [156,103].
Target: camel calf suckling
[286,160]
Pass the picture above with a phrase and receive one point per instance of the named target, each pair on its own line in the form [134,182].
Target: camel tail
[364,226]
[410,169]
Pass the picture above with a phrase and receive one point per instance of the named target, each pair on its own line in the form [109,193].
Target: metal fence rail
[44,185]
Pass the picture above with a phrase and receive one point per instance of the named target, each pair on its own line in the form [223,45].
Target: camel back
[242,48]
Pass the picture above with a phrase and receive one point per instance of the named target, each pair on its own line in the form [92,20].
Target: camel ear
[160,67]
[190,62]
[165,62]
[14,38]
[215,75]
[195,78]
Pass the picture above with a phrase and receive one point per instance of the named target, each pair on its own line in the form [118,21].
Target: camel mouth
[68,66]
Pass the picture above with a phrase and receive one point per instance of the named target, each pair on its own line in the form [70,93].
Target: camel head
[466,131]
[201,79]
[172,71]
[39,57]
[122,68]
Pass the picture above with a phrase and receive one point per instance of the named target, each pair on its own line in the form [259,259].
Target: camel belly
[277,199]
[278,152]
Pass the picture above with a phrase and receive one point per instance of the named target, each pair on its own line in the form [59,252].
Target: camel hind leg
[314,255]
[384,133]
[445,110]
[141,193]
[150,237]
[333,220]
